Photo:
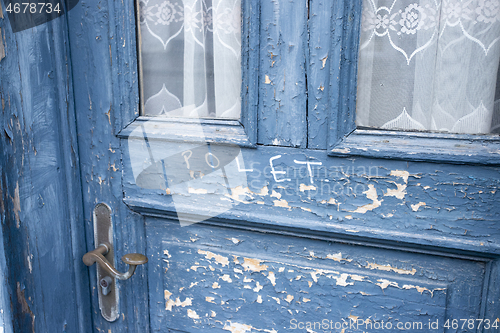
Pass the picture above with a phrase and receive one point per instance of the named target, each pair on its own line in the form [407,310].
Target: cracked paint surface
[263,281]
[417,202]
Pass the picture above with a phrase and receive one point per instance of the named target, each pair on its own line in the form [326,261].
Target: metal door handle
[97,255]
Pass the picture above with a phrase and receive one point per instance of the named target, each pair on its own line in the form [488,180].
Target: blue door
[279,214]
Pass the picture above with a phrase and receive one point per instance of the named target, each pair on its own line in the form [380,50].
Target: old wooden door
[295,221]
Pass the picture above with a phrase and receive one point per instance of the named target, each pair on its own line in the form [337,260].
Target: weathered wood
[282,79]
[210,278]
[420,146]
[318,72]
[343,237]
[5,313]
[188,130]
[40,196]
[102,39]
[250,59]
[436,205]
[346,22]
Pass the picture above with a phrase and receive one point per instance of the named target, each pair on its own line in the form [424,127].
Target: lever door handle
[97,256]
[104,255]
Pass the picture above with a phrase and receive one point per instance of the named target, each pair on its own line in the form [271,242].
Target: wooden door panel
[234,280]
[438,205]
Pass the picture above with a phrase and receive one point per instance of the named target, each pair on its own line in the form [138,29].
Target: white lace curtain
[430,65]
[191,58]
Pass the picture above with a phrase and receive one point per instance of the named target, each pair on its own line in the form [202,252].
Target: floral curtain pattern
[191,58]
[430,65]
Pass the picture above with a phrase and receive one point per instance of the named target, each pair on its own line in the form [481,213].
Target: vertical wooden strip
[346,23]
[250,67]
[318,72]
[491,292]
[282,82]
[123,56]
[103,47]
[42,224]
[5,314]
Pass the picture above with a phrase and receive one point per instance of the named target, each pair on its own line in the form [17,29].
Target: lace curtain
[430,65]
[191,58]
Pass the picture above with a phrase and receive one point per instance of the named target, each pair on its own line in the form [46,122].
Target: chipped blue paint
[250,67]
[213,278]
[5,313]
[344,50]
[389,239]
[418,203]
[391,215]
[318,72]
[282,77]
[103,49]
[40,192]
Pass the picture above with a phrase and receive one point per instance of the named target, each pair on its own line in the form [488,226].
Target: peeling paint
[237,327]
[401,173]
[245,192]
[399,193]
[253,265]
[281,203]
[415,207]
[323,62]
[239,191]
[192,314]
[234,240]
[170,303]
[383,283]
[304,187]
[30,265]
[226,278]
[337,257]
[272,278]
[275,194]
[371,194]
[258,287]
[342,280]
[342,151]
[224,261]
[17,205]
[388,268]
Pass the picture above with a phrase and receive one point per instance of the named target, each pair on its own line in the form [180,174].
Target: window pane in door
[190,58]
[430,65]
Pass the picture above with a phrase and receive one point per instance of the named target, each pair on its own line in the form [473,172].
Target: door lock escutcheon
[103,255]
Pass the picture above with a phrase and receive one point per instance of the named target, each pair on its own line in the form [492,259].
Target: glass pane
[430,65]
[190,58]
